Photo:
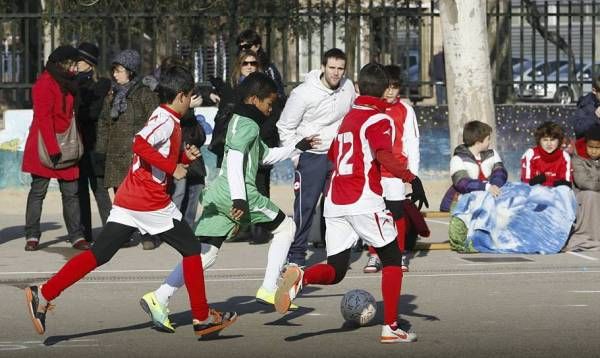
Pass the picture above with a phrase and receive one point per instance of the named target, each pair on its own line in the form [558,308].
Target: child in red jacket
[547,163]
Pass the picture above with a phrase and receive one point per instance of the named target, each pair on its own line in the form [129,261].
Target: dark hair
[593,133]
[475,131]
[250,36]
[333,53]
[373,80]
[549,129]
[395,75]
[257,84]
[130,74]
[173,80]
[596,83]
[236,73]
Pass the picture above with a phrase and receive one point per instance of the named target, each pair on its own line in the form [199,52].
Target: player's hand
[192,152]
[196,101]
[180,171]
[238,209]
[308,142]
[494,190]
[418,193]
[215,98]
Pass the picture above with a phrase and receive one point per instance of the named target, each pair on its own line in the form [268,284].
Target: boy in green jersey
[233,199]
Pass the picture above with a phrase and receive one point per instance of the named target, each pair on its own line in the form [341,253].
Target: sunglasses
[245,46]
[251,63]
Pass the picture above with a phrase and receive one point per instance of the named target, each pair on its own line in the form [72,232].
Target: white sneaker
[291,284]
[390,335]
[404,263]
[373,264]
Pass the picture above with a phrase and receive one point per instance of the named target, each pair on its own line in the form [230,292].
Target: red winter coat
[48,119]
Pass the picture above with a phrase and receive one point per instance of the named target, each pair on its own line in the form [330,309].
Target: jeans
[87,179]
[70,204]
[186,197]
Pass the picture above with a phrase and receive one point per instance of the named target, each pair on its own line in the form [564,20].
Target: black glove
[55,158]
[239,204]
[563,182]
[304,144]
[418,193]
[538,179]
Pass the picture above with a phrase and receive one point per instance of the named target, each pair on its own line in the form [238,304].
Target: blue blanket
[523,219]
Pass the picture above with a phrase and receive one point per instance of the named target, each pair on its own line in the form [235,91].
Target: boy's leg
[283,229]
[205,321]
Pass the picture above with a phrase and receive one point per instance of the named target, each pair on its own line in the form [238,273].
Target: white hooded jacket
[312,108]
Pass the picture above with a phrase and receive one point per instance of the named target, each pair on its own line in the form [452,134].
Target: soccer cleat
[373,265]
[391,333]
[291,284]
[159,313]
[268,298]
[36,312]
[404,265]
[215,322]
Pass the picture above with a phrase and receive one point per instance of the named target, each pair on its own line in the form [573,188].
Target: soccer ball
[358,306]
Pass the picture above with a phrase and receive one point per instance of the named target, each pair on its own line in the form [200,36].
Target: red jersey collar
[372,102]
[550,157]
[171,111]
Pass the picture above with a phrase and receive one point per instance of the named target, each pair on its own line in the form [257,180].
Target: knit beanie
[63,53]
[130,59]
[89,53]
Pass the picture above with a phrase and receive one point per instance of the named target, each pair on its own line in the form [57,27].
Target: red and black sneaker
[36,312]
[215,322]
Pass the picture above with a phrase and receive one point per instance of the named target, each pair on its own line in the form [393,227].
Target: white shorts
[394,189]
[376,229]
[148,222]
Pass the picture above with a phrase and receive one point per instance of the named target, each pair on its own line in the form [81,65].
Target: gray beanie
[130,59]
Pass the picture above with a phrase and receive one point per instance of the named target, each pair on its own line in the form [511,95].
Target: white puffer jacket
[312,109]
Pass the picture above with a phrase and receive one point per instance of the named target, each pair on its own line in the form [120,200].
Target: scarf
[66,81]
[119,104]
[250,111]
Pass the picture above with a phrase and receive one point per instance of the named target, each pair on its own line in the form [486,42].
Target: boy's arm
[235,175]
[380,136]
[156,131]
[460,177]
[277,154]
[410,140]
[290,119]
[240,134]
[499,175]
[583,175]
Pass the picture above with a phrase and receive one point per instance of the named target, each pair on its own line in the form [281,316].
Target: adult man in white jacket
[316,106]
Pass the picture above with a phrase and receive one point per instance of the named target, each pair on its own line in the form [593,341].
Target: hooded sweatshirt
[312,108]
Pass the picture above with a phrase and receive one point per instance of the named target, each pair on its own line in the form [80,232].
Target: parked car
[539,83]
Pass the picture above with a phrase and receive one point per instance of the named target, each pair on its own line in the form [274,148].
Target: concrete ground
[460,305]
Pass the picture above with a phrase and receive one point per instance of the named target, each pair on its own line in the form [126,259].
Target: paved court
[460,305]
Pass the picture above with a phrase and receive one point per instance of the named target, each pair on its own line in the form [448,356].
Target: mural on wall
[515,125]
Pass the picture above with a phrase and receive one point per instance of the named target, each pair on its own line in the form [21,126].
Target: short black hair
[249,36]
[373,80]
[173,80]
[593,133]
[256,84]
[333,53]
[395,75]
[549,129]
[475,131]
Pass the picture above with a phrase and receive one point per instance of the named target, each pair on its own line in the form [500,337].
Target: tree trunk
[468,75]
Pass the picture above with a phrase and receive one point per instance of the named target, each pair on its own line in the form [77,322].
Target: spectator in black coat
[588,110]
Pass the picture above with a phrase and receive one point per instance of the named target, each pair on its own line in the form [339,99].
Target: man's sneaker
[216,321]
[268,298]
[373,265]
[404,265]
[391,333]
[159,313]
[36,312]
[291,284]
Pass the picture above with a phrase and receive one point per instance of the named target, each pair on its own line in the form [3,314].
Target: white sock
[283,236]
[175,279]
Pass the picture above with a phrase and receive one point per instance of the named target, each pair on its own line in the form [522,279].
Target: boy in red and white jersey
[142,203]
[405,148]
[354,205]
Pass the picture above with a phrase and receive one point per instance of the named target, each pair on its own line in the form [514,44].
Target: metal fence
[538,49]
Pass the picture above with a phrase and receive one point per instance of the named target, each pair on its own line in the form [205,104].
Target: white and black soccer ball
[358,306]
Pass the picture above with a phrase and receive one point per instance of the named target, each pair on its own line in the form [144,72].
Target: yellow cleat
[268,298]
[159,314]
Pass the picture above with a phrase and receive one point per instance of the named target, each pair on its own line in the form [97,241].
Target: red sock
[401,228]
[193,276]
[71,272]
[320,274]
[391,284]
[372,250]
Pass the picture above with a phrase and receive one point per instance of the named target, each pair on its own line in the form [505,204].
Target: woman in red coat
[53,96]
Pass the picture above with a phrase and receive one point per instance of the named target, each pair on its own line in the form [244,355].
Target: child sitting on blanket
[547,163]
[474,166]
